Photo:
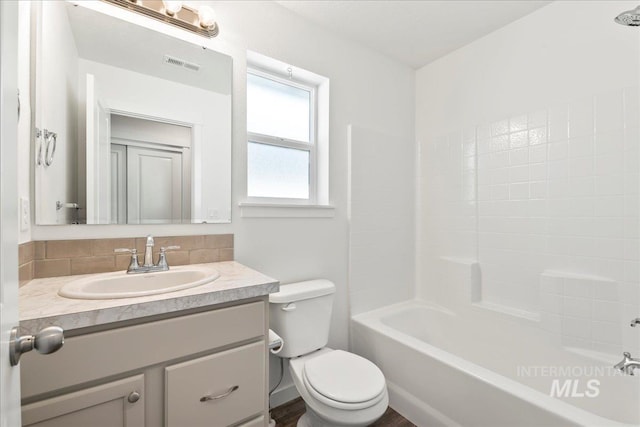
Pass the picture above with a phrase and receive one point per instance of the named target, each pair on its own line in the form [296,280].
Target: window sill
[276,210]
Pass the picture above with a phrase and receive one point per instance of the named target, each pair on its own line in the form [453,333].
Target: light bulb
[172,6]
[206,16]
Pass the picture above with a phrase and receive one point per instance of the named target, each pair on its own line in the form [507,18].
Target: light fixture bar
[186,18]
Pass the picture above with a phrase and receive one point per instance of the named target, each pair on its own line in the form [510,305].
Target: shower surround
[529,175]
[527,228]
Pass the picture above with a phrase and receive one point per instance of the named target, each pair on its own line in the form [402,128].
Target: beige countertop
[41,306]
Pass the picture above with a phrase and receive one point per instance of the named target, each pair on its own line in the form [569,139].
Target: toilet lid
[344,377]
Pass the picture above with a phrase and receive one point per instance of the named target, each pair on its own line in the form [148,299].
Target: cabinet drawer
[94,356]
[216,377]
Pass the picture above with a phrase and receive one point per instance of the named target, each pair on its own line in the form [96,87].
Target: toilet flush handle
[289,307]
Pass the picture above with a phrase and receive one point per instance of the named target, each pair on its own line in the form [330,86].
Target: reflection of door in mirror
[149,176]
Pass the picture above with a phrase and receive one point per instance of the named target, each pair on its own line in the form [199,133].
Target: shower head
[630,18]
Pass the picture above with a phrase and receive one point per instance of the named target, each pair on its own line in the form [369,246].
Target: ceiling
[414,32]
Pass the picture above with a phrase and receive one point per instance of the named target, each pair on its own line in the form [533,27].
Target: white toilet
[339,388]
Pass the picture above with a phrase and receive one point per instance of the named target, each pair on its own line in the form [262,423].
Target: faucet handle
[133,265]
[162,260]
[626,365]
[132,251]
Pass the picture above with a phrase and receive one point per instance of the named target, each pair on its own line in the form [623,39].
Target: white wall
[366,88]
[57,112]
[529,166]
[381,218]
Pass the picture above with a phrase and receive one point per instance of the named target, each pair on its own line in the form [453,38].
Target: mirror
[133,126]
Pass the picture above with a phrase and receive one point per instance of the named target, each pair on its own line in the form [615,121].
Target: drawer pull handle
[220,396]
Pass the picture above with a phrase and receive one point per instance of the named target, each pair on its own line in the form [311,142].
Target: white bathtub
[482,368]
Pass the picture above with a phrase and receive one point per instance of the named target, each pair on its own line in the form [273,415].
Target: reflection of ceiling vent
[191,66]
[181,63]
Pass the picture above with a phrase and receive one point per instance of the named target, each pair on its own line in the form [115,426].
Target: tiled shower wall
[554,189]
[558,189]
[543,198]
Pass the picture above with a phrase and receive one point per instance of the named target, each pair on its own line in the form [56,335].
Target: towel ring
[50,141]
[47,147]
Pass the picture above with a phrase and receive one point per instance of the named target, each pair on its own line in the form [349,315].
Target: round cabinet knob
[134,396]
[49,340]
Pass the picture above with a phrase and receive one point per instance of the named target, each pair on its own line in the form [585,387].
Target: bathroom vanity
[188,358]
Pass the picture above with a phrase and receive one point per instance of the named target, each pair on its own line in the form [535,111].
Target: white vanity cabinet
[187,369]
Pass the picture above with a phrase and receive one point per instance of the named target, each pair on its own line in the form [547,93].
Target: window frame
[311,147]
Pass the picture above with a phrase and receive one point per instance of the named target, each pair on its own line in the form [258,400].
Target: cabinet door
[105,405]
[217,390]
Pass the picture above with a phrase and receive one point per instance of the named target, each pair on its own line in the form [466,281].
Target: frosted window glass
[277,172]
[277,109]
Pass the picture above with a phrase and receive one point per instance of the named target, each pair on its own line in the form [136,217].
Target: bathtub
[483,368]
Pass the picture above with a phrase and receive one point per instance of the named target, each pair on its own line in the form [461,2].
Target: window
[287,141]
[277,108]
[282,139]
[282,144]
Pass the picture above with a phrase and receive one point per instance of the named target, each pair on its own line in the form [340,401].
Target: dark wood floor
[287,416]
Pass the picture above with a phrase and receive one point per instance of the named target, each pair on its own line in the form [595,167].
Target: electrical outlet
[24,214]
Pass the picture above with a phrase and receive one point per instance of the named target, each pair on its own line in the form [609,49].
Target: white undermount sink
[122,285]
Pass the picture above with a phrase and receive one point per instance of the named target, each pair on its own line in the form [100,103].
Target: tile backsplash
[53,258]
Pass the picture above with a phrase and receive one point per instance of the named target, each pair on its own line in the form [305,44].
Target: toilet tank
[301,314]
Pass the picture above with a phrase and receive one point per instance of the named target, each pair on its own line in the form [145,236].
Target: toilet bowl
[339,388]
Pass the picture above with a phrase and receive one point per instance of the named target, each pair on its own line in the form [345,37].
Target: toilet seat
[330,412]
[344,380]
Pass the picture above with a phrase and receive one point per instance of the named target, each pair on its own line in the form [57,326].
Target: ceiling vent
[172,60]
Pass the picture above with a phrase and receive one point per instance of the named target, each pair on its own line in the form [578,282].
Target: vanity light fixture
[172,7]
[199,20]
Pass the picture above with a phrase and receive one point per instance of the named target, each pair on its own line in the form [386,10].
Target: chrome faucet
[628,364]
[148,252]
[148,266]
